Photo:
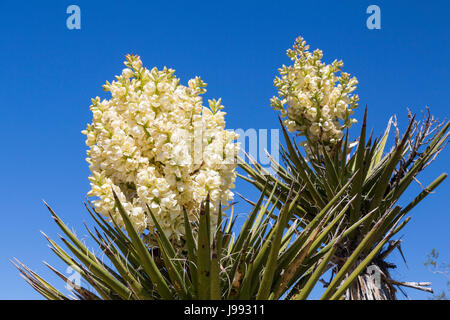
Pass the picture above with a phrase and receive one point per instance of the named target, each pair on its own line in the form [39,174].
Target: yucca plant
[268,258]
[378,180]
[332,208]
[316,102]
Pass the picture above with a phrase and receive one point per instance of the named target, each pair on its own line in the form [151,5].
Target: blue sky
[49,73]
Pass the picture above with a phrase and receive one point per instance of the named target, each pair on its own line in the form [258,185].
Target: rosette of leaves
[378,179]
[267,257]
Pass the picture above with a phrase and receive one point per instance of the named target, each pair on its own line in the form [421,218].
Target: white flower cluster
[155,144]
[314,99]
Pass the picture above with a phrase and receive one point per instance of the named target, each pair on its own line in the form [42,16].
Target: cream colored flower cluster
[155,144]
[315,98]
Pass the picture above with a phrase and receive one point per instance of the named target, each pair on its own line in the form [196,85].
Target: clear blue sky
[49,73]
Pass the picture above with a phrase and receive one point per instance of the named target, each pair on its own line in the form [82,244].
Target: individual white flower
[314,98]
[155,144]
